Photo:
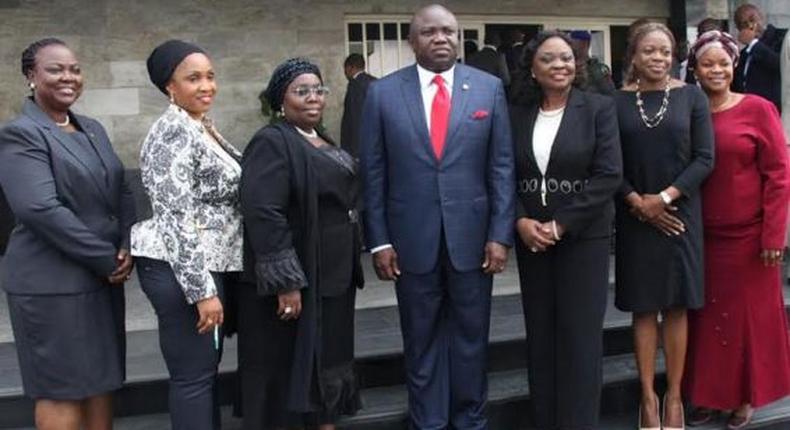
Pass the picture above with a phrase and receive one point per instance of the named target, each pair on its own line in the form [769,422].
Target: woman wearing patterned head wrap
[739,355]
[296,314]
[187,251]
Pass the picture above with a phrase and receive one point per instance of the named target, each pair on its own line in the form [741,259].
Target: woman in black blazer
[568,168]
[299,196]
[67,256]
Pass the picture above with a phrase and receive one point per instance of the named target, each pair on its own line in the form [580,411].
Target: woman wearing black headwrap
[296,310]
[187,251]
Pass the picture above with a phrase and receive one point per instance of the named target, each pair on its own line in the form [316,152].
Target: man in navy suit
[438,177]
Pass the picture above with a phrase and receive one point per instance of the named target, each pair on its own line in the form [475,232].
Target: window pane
[374,57]
[355,32]
[390,31]
[356,48]
[470,35]
[404,31]
[372,31]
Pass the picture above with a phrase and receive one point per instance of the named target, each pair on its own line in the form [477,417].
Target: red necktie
[440,115]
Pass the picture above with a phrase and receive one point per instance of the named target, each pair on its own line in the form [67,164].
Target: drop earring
[282,111]
[32,86]
[172,99]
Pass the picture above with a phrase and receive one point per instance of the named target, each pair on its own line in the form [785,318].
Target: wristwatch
[665,197]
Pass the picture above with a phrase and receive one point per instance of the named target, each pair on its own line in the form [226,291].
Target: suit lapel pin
[465,86]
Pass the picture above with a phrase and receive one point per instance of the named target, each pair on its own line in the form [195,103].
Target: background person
[741,332]
[299,192]
[758,71]
[187,251]
[490,60]
[67,258]
[667,142]
[568,168]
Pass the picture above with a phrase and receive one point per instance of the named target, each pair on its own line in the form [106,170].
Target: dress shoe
[737,422]
[640,418]
[664,416]
[700,416]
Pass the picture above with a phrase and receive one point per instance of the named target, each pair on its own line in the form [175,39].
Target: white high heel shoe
[640,418]
[682,416]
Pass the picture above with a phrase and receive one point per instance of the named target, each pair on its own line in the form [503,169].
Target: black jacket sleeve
[265,197]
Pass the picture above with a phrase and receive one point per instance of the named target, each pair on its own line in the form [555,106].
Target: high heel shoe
[737,422]
[664,416]
[640,418]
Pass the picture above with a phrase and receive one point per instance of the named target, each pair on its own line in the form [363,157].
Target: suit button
[112,218]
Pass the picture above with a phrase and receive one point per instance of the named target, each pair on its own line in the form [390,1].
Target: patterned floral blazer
[192,181]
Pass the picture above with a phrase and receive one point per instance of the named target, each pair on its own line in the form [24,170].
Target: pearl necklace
[659,116]
[312,134]
[64,123]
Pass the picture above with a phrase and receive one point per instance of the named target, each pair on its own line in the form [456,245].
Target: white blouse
[543,135]
[546,126]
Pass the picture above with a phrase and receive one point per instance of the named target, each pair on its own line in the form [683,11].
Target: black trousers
[563,291]
[191,358]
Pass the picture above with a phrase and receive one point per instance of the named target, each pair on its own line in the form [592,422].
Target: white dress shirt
[428,90]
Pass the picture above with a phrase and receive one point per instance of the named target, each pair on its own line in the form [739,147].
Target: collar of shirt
[426,78]
[751,45]
[428,89]
[357,74]
[489,47]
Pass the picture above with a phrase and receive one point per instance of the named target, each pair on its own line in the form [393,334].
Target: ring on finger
[288,310]
[533,249]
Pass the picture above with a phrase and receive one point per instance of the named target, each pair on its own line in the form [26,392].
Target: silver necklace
[64,123]
[659,116]
[312,134]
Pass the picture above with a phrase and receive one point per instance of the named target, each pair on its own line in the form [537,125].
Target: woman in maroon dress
[739,352]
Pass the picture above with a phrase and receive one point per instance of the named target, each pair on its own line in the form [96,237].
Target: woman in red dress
[739,351]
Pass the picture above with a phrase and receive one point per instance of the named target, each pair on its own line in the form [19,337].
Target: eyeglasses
[305,91]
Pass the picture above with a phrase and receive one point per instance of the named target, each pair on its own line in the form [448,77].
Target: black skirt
[70,346]
[266,346]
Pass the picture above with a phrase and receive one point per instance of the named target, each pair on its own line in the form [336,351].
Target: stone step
[385,407]
[379,361]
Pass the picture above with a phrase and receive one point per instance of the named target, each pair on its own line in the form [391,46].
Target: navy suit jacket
[411,198]
[352,112]
[70,222]
[764,77]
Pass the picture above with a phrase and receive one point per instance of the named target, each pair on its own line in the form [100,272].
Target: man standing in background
[490,60]
[757,71]
[358,81]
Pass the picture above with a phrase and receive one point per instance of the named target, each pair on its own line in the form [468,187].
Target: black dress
[274,360]
[655,271]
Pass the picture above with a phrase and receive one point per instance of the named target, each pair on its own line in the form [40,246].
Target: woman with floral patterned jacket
[188,248]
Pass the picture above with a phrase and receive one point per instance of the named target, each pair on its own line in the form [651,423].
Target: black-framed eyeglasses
[304,91]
